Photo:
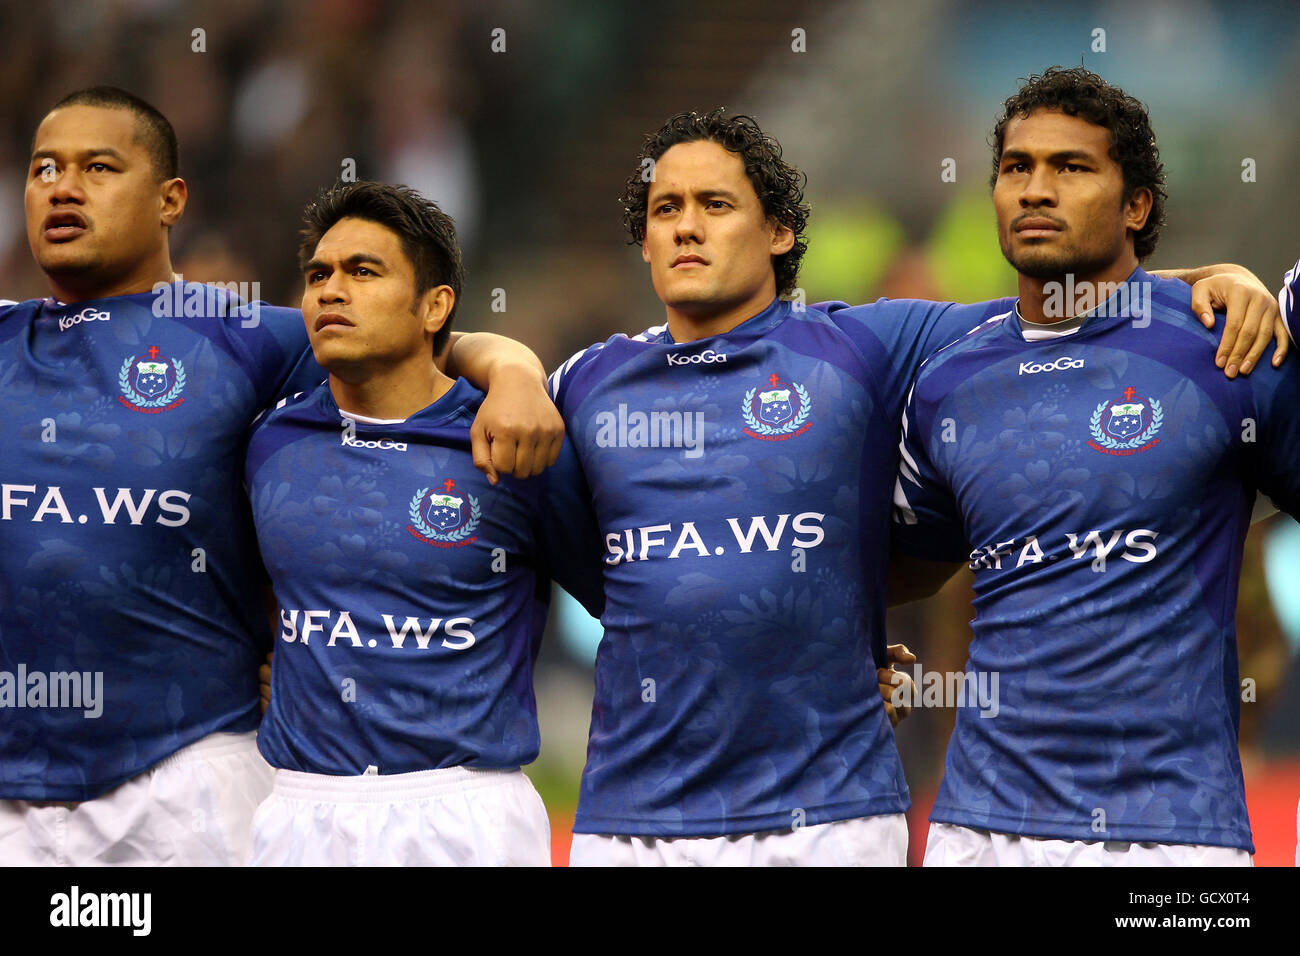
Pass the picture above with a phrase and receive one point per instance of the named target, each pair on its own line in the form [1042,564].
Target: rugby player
[131,617]
[1098,476]
[737,463]
[411,592]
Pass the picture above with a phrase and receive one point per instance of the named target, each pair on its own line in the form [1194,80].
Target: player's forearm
[1197,273]
[480,357]
[912,579]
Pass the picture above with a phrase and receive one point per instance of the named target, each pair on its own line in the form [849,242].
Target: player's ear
[782,238]
[645,253]
[435,306]
[172,196]
[1138,208]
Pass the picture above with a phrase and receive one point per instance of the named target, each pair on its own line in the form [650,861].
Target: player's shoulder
[12,306]
[295,408]
[1168,313]
[978,346]
[600,357]
[885,311]
[14,312]
[455,409]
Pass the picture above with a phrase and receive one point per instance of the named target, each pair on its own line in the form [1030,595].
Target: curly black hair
[778,184]
[1082,93]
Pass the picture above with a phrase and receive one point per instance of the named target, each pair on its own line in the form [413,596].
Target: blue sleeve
[1277,448]
[1289,300]
[927,522]
[570,537]
[297,371]
[897,335]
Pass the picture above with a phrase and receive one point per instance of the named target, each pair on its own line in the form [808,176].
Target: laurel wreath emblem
[124,383]
[460,534]
[1137,441]
[762,428]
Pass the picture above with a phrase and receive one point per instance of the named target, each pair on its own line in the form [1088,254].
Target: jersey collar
[1130,302]
[753,327]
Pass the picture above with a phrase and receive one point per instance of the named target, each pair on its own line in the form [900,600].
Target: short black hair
[778,184]
[427,234]
[1082,93]
[153,131]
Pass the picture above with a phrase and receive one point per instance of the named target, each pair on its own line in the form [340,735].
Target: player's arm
[264,683]
[913,579]
[517,430]
[1273,456]
[1252,318]
[927,535]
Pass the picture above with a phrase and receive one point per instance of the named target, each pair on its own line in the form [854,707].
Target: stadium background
[527,147]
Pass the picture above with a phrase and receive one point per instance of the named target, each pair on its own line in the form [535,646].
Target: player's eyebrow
[84,154]
[1059,156]
[352,261]
[703,194]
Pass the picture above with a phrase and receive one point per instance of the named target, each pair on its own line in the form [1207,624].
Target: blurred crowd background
[522,119]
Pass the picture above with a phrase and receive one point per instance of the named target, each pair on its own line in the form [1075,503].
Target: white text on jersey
[1139,548]
[129,504]
[85,315]
[707,357]
[635,544]
[459,637]
[1064,362]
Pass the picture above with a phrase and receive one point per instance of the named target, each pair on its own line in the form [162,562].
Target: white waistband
[386,788]
[213,745]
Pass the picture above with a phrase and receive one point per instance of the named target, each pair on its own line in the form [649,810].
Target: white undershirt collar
[367,420]
[1040,331]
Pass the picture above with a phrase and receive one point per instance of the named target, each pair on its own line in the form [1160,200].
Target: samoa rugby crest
[151,382]
[444,518]
[778,412]
[1126,425]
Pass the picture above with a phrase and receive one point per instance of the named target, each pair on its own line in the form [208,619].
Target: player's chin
[334,356]
[66,257]
[1035,259]
[689,296]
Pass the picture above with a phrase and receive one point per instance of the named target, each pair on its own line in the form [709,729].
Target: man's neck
[693,325]
[1044,301]
[395,393]
[76,288]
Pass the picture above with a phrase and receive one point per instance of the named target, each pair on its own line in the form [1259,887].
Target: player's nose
[65,187]
[333,289]
[688,226]
[1039,190]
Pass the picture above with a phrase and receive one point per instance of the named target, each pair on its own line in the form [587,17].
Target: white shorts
[449,817]
[194,808]
[864,841]
[951,845]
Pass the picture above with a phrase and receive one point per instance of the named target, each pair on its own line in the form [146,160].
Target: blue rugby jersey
[128,551]
[1289,300]
[411,593]
[1101,486]
[740,485]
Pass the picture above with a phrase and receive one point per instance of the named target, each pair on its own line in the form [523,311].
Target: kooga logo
[707,357]
[1064,362]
